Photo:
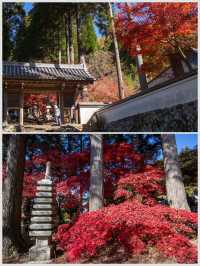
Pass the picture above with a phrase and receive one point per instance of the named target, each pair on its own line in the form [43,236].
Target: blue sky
[183,140]
[27,7]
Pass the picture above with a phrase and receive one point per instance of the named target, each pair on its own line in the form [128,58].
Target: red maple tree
[158,28]
[133,217]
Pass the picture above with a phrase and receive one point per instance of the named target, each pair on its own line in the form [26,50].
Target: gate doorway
[39,108]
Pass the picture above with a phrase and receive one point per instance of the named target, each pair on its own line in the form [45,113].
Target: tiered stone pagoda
[41,226]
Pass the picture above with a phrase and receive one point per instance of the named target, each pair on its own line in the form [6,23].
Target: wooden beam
[76,100]
[21,117]
[62,104]
[48,83]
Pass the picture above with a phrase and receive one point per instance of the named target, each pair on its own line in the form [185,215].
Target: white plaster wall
[87,111]
[181,92]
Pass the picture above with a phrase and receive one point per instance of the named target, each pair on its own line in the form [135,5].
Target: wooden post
[76,101]
[21,118]
[5,104]
[76,114]
[62,103]
[118,64]
[142,76]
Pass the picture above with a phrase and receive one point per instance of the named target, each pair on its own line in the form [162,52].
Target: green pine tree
[88,36]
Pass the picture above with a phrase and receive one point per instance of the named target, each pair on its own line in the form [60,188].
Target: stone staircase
[44,128]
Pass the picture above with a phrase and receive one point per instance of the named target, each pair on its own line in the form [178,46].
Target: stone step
[44,194]
[43,200]
[45,182]
[42,213]
[44,188]
[40,233]
[42,206]
[35,226]
[41,219]
[52,128]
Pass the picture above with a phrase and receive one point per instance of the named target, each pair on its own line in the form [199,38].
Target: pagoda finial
[48,170]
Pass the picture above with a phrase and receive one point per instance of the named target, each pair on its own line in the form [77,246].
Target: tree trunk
[118,64]
[96,172]
[78,27]
[67,38]
[71,48]
[12,196]
[174,181]
[59,48]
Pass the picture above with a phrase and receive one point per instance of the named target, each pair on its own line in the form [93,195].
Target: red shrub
[147,183]
[134,226]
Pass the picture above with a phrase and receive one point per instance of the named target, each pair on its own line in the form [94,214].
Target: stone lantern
[41,225]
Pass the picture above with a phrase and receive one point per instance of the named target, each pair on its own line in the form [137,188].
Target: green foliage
[13,14]
[188,160]
[88,36]
[102,18]
[41,41]
[188,163]
[41,34]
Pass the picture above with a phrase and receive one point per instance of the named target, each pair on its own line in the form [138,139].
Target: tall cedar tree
[96,172]
[13,14]
[174,181]
[88,36]
[61,27]
[12,196]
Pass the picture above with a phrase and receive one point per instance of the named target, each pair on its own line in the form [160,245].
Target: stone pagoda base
[42,251]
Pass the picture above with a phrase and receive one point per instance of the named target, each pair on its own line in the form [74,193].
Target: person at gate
[57,115]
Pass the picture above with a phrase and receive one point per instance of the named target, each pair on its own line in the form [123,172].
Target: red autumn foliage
[40,100]
[67,173]
[159,29]
[134,226]
[62,165]
[146,183]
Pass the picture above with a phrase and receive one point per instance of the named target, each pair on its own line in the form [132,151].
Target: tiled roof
[40,71]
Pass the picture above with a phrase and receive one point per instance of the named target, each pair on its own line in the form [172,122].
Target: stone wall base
[180,118]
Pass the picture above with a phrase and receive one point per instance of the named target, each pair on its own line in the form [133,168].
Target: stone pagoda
[41,226]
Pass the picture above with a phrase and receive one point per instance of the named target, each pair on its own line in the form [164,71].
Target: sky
[27,7]
[183,140]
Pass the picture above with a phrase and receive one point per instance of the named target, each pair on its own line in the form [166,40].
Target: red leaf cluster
[158,28]
[40,100]
[146,183]
[134,226]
